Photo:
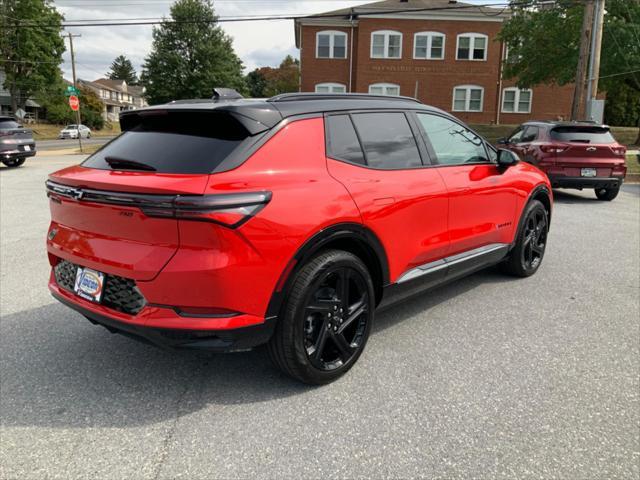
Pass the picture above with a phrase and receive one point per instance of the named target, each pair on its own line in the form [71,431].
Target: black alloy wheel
[535,239]
[336,318]
[325,323]
[531,241]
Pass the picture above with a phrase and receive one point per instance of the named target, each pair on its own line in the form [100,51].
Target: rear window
[582,134]
[172,142]
[5,124]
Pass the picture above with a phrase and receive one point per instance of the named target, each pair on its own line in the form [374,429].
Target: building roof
[112,84]
[413,6]
[136,90]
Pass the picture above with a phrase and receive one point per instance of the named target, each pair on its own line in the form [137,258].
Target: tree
[190,55]
[268,81]
[122,69]
[56,105]
[543,45]
[30,57]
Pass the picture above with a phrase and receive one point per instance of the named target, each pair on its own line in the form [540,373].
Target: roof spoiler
[225,94]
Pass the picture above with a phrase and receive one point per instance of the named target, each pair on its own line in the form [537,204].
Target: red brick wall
[435,78]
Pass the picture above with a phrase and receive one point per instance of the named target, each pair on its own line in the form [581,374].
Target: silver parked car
[16,142]
[72,131]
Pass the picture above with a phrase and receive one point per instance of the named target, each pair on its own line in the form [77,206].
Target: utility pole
[594,60]
[581,73]
[75,84]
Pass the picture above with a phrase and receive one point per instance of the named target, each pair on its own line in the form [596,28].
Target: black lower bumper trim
[210,340]
[585,182]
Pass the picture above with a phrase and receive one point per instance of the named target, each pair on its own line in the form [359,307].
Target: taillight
[230,209]
[552,148]
[4,133]
[619,150]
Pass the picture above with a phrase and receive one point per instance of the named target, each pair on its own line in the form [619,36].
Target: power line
[241,18]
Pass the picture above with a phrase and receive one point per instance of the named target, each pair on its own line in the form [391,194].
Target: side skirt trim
[447,262]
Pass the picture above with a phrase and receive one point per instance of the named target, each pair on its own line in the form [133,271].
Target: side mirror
[506,158]
[502,141]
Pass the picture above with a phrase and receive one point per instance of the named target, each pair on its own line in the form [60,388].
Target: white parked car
[72,131]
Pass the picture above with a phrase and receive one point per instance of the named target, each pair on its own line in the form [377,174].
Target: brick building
[443,52]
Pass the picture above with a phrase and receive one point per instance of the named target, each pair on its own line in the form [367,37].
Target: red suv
[573,155]
[227,224]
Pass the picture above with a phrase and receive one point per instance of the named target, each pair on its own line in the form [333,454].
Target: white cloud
[258,43]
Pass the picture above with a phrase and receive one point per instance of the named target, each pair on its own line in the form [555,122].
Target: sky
[258,43]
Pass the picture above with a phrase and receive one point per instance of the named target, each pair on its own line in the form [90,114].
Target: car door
[482,196]
[377,157]
[523,146]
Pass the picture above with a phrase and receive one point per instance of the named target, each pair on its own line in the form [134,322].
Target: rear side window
[6,124]
[530,134]
[342,141]
[172,142]
[387,140]
[582,134]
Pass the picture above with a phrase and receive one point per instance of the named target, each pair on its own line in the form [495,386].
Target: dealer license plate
[89,284]
[588,172]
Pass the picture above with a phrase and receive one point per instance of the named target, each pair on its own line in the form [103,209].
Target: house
[32,109]
[116,96]
[443,52]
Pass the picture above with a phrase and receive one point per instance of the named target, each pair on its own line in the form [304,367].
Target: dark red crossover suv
[572,154]
[229,223]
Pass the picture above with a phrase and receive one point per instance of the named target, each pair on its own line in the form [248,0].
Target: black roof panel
[258,115]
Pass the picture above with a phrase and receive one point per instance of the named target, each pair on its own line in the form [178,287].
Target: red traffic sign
[74,103]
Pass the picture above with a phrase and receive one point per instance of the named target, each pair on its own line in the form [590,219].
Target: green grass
[633,164]
[624,135]
[49,131]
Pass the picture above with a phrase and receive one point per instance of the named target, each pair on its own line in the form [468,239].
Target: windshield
[175,142]
[4,124]
[582,134]
[70,127]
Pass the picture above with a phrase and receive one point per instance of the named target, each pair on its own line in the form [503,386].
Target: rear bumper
[210,334]
[15,153]
[560,181]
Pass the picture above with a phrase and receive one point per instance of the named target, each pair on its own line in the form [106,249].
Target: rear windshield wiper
[115,162]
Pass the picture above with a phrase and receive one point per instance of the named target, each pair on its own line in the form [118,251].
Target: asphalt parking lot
[490,377]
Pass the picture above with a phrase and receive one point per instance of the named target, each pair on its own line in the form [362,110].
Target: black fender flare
[341,231]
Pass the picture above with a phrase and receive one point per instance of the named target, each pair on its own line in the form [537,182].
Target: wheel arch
[543,195]
[351,237]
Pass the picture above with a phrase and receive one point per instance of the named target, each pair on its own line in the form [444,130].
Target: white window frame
[467,98]
[429,36]
[472,41]
[385,87]
[332,35]
[387,34]
[331,86]
[516,100]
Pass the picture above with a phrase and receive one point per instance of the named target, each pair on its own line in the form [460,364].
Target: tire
[607,194]
[527,254]
[88,136]
[322,331]
[14,162]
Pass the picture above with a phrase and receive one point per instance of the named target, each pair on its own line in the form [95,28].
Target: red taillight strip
[188,207]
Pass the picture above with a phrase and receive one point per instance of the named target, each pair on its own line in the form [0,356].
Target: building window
[515,100]
[468,98]
[330,88]
[386,44]
[384,89]
[472,46]
[428,46]
[331,44]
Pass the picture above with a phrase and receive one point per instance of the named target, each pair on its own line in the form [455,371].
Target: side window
[342,141]
[452,143]
[529,134]
[516,136]
[387,140]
